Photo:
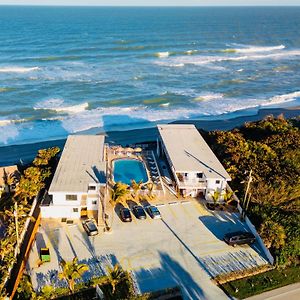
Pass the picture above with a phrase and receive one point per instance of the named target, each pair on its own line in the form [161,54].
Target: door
[83,212]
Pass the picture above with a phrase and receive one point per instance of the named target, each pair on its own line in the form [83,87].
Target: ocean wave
[8,89]
[111,118]
[283,98]
[129,48]
[205,60]
[158,100]
[56,104]
[254,49]
[18,69]
[10,133]
[58,58]
[5,122]
[162,54]
[191,52]
[11,121]
[209,97]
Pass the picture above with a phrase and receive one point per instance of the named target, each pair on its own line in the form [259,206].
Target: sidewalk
[290,292]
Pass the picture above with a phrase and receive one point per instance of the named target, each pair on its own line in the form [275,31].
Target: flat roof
[81,163]
[189,152]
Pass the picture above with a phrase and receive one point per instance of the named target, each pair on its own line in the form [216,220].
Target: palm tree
[216,197]
[71,271]
[136,186]
[150,187]
[118,193]
[44,156]
[47,292]
[25,289]
[228,196]
[115,275]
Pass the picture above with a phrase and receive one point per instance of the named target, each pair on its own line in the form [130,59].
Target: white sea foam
[164,104]
[204,96]
[57,104]
[212,104]
[11,121]
[190,52]
[283,98]
[9,131]
[5,122]
[207,59]
[162,54]
[18,69]
[209,97]
[256,49]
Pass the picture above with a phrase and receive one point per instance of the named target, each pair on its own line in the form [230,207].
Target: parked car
[125,214]
[90,227]
[139,212]
[239,238]
[153,212]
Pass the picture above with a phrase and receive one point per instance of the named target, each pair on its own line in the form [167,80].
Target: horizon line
[174,6]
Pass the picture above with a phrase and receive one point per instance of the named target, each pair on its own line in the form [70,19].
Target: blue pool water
[126,170]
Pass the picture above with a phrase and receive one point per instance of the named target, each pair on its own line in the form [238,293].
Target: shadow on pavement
[169,274]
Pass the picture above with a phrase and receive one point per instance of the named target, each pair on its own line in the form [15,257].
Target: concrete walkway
[290,292]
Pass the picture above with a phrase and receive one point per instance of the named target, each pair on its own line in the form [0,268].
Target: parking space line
[68,234]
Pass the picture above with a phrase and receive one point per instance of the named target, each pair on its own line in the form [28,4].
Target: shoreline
[26,152]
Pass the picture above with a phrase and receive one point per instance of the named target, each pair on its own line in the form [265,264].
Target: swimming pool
[125,170]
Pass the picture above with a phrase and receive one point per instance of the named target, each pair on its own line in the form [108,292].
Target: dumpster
[45,254]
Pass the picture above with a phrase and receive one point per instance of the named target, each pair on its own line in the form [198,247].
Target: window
[92,188]
[94,202]
[71,197]
[199,175]
[75,209]
[217,181]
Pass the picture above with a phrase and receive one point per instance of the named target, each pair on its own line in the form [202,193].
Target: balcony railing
[192,183]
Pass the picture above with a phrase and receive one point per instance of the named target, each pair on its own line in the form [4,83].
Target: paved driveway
[185,248]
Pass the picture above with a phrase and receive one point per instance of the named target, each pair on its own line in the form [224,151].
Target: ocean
[91,69]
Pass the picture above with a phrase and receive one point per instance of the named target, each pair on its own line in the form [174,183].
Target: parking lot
[184,248]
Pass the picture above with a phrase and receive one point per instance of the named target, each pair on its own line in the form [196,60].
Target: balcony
[185,182]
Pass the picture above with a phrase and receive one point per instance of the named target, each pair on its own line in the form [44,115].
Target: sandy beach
[16,153]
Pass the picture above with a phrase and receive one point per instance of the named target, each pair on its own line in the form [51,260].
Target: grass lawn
[260,283]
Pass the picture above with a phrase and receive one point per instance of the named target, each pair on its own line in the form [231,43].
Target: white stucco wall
[213,186]
[59,211]
[60,199]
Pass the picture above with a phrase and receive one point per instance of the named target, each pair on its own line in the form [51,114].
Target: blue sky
[152,2]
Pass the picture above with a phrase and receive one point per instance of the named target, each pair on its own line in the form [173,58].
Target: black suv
[239,238]
[90,227]
[139,212]
[125,214]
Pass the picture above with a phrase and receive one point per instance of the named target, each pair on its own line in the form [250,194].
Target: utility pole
[17,226]
[246,199]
